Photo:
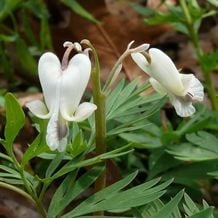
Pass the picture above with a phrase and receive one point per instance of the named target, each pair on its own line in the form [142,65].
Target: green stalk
[33,195]
[99,99]
[17,190]
[195,41]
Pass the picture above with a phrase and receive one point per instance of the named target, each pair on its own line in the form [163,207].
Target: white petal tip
[143,47]
[141,61]
[183,108]
[38,108]
[84,111]
[77,46]
[130,44]
[193,86]
[186,111]
[67,44]
[86,51]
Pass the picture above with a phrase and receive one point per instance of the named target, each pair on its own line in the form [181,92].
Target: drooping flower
[63,85]
[182,89]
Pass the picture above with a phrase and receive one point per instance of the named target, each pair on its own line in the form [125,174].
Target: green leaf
[4,156]
[114,200]
[190,173]
[12,181]
[78,9]
[145,11]
[150,209]
[213,2]
[54,164]
[67,191]
[26,59]
[7,7]
[198,121]
[169,208]
[207,213]
[110,190]
[210,61]
[189,152]
[122,96]
[8,38]
[78,144]
[36,148]
[45,35]
[141,140]
[15,119]
[38,8]
[204,148]
[9,170]
[189,206]
[113,95]
[161,162]
[76,163]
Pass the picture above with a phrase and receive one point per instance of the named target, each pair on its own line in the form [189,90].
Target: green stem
[195,41]
[33,195]
[18,190]
[99,99]
[111,76]
[38,202]
[43,190]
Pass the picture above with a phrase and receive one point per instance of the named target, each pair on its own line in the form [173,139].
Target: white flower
[63,86]
[182,89]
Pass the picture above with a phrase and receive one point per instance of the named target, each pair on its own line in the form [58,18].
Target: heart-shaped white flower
[63,89]
[182,89]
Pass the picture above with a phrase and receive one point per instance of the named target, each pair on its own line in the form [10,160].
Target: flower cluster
[63,85]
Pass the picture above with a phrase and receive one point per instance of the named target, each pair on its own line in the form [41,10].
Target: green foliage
[202,146]
[210,61]
[111,198]
[78,9]
[15,120]
[69,190]
[18,31]
[175,16]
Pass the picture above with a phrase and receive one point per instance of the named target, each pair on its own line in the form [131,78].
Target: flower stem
[195,41]
[99,99]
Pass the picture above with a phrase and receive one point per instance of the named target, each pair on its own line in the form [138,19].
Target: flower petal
[57,133]
[157,86]
[49,69]
[83,112]
[141,61]
[183,108]
[164,71]
[193,86]
[38,108]
[74,81]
